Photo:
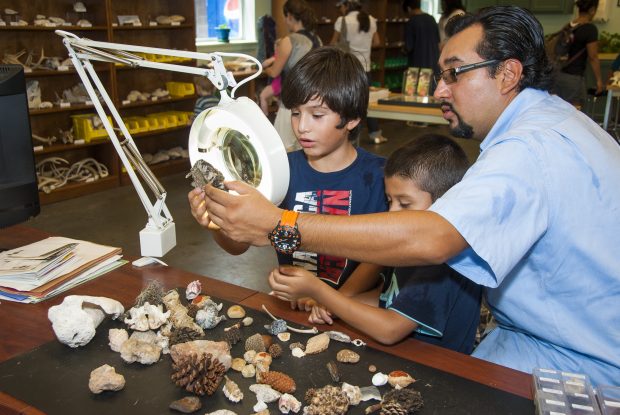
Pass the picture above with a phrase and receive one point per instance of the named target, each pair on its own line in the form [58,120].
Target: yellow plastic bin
[183,117]
[136,125]
[180,89]
[84,130]
[163,119]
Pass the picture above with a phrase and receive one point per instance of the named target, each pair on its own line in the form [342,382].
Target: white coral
[147,317]
[288,403]
[117,337]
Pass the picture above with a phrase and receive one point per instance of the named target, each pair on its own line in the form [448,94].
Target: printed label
[583,407]
[552,402]
[549,380]
[557,392]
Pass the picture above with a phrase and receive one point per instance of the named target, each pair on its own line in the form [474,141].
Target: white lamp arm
[158,236]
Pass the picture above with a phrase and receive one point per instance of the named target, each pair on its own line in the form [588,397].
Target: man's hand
[198,207]
[290,283]
[245,217]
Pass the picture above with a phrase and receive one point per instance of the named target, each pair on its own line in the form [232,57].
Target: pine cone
[182,335]
[198,374]
[232,336]
[275,350]
[408,401]
[278,381]
[392,408]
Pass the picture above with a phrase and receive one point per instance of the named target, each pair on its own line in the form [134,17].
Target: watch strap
[289,218]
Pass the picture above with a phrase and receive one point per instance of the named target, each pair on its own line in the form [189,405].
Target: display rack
[118,80]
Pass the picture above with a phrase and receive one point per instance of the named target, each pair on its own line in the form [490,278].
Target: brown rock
[187,405]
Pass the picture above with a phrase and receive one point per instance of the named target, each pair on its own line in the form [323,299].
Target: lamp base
[157,242]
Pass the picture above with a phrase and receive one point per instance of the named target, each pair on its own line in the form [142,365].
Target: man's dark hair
[333,76]
[510,32]
[411,4]
[434,162]
[584,6]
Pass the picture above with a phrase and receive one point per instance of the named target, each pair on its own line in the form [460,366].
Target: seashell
[256,343]
[298,345]
[338,336]
[265,393]
[208,318]
[399,379]
[200,300]
[248,371]
[260,407]
[186,405]
[235,311]
[297,352]
[193,289]
[347,356]
[317,344]
[354,394]
[284,336]
[276,327]
[372,368]
[333,371]
[262,357]
[249,355]
[379,379]
[231,390]
[238,364]
[370,392]
[277,380]
[247,321]
[288,403]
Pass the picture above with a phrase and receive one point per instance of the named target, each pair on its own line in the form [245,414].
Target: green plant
[223,26]
[609,42]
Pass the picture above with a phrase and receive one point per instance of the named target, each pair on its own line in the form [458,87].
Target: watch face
[285,239]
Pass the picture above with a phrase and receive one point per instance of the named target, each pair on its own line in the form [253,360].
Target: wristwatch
[285,237]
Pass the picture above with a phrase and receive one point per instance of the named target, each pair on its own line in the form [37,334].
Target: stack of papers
[46,268]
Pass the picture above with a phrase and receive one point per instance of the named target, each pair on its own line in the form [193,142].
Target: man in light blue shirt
[536,219]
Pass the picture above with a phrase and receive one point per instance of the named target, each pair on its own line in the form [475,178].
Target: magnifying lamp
[235,136]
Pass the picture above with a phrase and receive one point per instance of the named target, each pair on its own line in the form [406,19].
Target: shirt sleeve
[500,208]
[338,24]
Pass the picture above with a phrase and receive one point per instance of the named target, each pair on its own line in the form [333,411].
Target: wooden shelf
[73,190]
[59,148]
[160,132]
[51,29]
[158,102]
[62,109]
[158,27]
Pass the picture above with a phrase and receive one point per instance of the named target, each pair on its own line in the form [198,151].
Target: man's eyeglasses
[449,75]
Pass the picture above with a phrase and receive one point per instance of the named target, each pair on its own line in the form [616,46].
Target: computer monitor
[19,196]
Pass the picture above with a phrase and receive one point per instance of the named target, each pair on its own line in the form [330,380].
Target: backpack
[557,46]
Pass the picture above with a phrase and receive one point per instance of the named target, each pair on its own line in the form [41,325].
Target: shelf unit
[118,80]
[390,26]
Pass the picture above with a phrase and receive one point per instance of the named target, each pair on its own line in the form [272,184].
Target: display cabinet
[138,25]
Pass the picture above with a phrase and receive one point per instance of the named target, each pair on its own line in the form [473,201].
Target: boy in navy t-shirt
[431,303]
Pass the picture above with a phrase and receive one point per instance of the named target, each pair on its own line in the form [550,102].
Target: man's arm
[391,238]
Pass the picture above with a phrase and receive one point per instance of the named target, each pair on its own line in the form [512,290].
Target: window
[238,15]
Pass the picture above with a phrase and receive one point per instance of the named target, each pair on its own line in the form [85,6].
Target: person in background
[327,93]
[421,37]
[269,91]
[534,220]
[206,95]
[570,79]
[361,35]
[449,9]
[300,22]
[432,303]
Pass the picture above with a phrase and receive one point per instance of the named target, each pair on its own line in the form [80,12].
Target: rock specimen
[187,405]
[288,403]
[200,375]
[75,320]
[203,173]
[265,393]
[105,378]
[117,337]
[142,349]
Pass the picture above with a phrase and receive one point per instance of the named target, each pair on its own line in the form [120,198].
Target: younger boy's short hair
[335,77]
[434,162]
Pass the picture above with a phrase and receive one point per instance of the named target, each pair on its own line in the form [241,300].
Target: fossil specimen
[232,336]
[347,356]
[198,374]
[117,337]
[288,403]
[182,335]
[265,393]
[332,367]
[317,344]
[203,173]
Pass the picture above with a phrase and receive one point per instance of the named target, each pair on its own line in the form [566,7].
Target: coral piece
[279,381]
[193,290]
[105,378]
[231,390]
[238,364]
[275,350]
[247,321]
[117,337]
[354,394]
[248,371]
[260,407]
[178,313]
[141,351]
[285,336]
[333,371]
[152,294]
[347,356]
[256,343]
[317,344]
[276,327]
[399,379]
[297,345]
[401,402]
[186,405]
[235,311]
[147,317]
[288,403]
[182,335]
[379,379]
[198,374]
[326,400]
[232,336]
[265,393]
[203,173]
[75,320]
[219,350]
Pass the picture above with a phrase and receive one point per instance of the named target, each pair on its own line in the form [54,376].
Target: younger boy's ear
[352,124]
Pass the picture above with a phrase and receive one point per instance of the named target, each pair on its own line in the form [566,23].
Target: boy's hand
[320,315]
[290,283]
[303,304]
[197,204]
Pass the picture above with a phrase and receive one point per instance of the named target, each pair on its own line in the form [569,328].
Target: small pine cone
[199,375]
[255,343]
[232,336]
[182,335]
[279,381]
[392,408]
[275,350]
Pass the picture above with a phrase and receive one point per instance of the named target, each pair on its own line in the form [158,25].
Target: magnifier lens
[240,156]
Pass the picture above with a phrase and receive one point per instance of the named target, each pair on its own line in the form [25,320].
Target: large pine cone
[401,402]
[198,374]
[278,381]
[393,408]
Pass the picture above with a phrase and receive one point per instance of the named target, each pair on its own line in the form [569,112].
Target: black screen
[19,197]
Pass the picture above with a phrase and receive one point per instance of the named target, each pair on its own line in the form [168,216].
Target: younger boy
[432,303]
[327,93]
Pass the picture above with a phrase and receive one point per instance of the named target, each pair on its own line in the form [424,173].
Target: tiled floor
[116,216]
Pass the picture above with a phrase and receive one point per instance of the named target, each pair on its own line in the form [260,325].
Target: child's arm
[282,52]
[364,278]
[385,326]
